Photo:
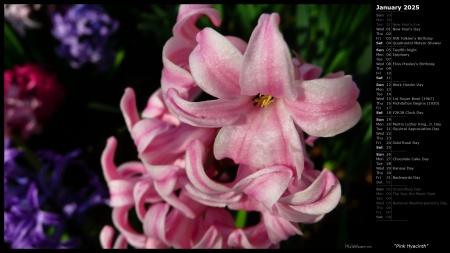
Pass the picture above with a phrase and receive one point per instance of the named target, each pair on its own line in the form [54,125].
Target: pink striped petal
[179,229]
[212,199]
[120,220]
[250,238]
[161,172]
[130,170]
[175,202]
[175,73]
[213,113]
[107,237]
[152,243]
[290,214]
[145,131]
[212,239]
[107,160]
[266,185]
[306,71]
[278,228]
[188,15]
[220,216]
[195,156]
[215,65]
[121,193]
[144,193]
[326,107]
[262,138]
[320,197]
[156,109]
[248,203]
[171,143]
[128,107]
[267,67]
[167,185]
[154,222]
[121,242]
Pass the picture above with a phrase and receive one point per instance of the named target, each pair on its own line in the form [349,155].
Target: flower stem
[241,219]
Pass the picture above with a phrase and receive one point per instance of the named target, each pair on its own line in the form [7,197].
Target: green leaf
[10,37]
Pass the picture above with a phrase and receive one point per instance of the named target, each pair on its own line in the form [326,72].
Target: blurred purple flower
[84,31]
[39,206]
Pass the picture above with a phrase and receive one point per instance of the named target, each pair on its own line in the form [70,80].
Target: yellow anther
[262,100]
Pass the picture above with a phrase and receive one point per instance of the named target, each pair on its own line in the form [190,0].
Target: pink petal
[171,143]
[145,131]
[213,113]
[107,237]
[250,238]
[212,199]
[306,71]
[175,202]
[121,242]
[120,219]
[179,229]
[154,222]
[156,108]
[161,172]
[188,15]
[262,138]
[238,43]
[335,75]
[267,67]
[107,160]
[144,193]
[266,185]
[320,197]
[121,193]
[310,140]
[195,155]
[326,107]
[290,214]
[218,216]
[212,239]
[215,65]
[128,107]
[278,228]
[175,73]
[152,243]
[248,203]
[167,185]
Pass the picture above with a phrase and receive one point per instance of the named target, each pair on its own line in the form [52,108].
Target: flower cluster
[244,150]
[18,15]
[85,31]
[40,206]
[31,95]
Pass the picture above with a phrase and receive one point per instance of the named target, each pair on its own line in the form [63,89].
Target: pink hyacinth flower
[259,99]
[161,140]
[272,189]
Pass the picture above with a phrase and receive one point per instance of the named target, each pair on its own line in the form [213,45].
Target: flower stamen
[262,100]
